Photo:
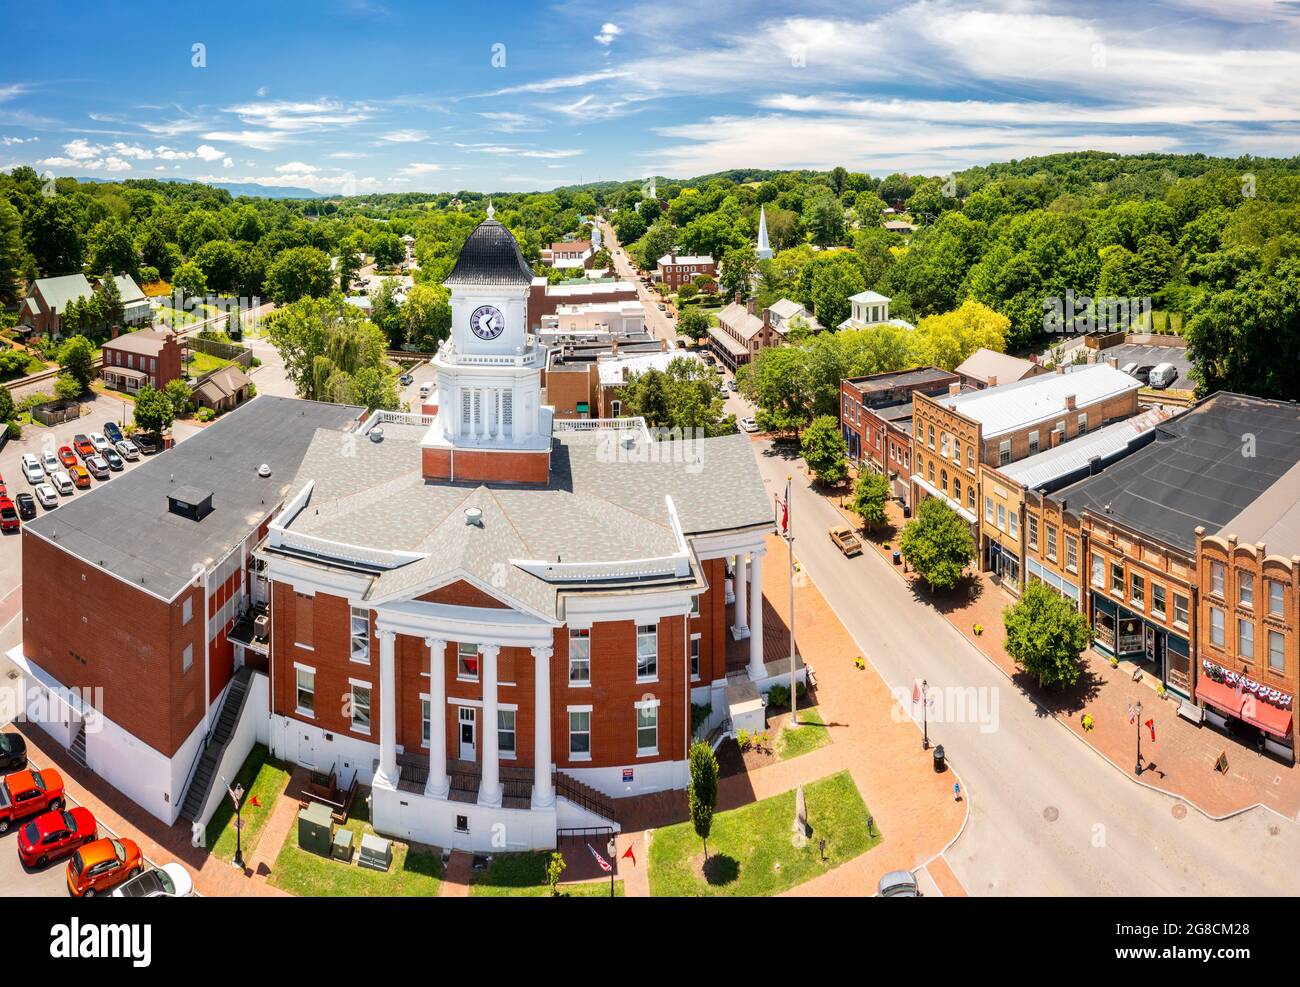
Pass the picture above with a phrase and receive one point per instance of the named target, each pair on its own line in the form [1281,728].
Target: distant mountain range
[234,188]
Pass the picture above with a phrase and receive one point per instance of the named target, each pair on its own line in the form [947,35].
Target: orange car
[100,865]
[67,457]
[80,476]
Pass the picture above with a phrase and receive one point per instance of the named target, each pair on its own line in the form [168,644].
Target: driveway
[1149,356]
[1049,816]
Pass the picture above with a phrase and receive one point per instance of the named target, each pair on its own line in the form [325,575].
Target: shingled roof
[490,256]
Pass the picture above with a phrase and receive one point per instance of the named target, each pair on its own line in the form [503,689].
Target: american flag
[604,864]
[783,509]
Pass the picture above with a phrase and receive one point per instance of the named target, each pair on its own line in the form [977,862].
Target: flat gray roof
[125,525]
[1205,467]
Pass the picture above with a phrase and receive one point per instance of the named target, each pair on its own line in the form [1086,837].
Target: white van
[426,389]
[1162,375]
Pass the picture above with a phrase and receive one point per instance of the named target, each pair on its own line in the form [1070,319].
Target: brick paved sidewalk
[913,807]
[1181,761]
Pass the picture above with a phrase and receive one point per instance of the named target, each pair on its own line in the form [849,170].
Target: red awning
[1269,718]
[1220,695]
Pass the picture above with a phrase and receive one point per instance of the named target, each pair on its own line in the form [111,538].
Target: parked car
[426,389]
[100,865]
[167,881]
[80,477]
[113,459]
[50,461]
[48,496]
[32,469]
[82,446]
[406,379]
[62,482]
[26,506]
[898,884]
[748,425]
[846,541]
[1128,368]
[25,793]
[731,386]
[113,432]
[55,834]
[127,450]
[13,752]
[9,520]
[100,441]
[98,466]
[67,457]
[145,443]
[1162,375]
[1143,374]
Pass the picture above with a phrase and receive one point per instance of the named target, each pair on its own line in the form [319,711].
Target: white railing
[328,548]
[598,424]
[396,418]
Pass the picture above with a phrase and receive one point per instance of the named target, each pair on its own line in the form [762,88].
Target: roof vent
[474,516]
[264,470]
[377,434]
[190,502]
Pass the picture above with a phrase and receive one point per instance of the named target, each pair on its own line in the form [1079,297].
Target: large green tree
[299,272]
[682,396]
[937,543]
[870,495]
[824,450]
[1046,635]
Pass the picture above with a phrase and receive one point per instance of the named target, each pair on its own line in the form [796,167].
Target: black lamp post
[612,847]
[925,715]
[1137,770]
[237,795]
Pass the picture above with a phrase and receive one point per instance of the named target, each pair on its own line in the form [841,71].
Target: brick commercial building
[149,356]
[876,418]
[676,270]
[955,433]
[498,621]
[546,299]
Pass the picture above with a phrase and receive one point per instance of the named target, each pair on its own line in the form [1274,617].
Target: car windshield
[165,880]
[77,865]
[119,850]
[32,833]
[38,781]
[6,743]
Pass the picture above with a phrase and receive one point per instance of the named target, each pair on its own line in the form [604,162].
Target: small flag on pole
[604,864]
[629,854]
[1151,725]
[1132,714]
[916,693]
[252,800]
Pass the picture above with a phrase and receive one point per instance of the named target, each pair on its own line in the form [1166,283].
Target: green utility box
[342,846]
[376,852]
[315,829]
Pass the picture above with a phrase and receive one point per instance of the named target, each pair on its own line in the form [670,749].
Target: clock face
[487,322]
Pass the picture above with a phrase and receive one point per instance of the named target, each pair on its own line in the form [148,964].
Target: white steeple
[764,250]
[490,211]
[596,236]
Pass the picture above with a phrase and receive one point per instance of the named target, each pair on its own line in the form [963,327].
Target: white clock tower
[489,371]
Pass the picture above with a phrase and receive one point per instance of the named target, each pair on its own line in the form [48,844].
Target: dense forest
[1213,243]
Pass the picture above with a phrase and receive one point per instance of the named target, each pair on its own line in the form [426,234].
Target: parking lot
[1149,356]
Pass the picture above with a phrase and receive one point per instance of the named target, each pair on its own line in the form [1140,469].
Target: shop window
[1180,610]
[1157,601]
[1138,591]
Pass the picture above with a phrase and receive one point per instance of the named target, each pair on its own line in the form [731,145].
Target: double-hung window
[647,727]
[647,652]
[306,689]
[1245,639]
[506,732]
[360,627]
[579,656]
[467,660]
[360,705]
[580,734]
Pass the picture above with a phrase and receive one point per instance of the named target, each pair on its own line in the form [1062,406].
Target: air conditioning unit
[261,625]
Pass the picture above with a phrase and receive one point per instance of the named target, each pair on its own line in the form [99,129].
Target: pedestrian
[956,791]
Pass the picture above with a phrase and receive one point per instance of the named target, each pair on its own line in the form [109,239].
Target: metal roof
[1009,407]
[1074,458]
[490,256]
[985,363]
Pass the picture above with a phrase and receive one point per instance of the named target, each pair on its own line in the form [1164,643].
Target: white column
[500,429]
[543,793]
[437,786]
[489,788]
[387,709]
[756,623]
[740,630]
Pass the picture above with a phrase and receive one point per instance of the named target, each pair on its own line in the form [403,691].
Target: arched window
[956,489]
[943,477]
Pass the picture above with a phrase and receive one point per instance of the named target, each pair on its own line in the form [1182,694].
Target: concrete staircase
[584,796]
[196,796]
[78,748]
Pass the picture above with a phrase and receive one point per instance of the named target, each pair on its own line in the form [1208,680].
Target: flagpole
[789,541]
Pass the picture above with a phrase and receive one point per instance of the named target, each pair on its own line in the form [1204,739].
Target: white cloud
[227,162]
[296,168]
[208,153]
[419,168]
[608,32]
[509,122]
[9,141]
[404,136]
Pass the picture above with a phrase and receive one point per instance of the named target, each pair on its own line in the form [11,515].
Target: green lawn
[747,844]
[523,875]
[808,736]
[261,776]
[412,874]
[202,363]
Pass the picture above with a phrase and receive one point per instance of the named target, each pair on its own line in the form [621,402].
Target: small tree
[7,407]
[693,323]
[554,868]
[179,394]
[67,387]
[937,543]
[870,497]
[702,796]
[1046,635]
[153,410]
[825,451]
[77,360]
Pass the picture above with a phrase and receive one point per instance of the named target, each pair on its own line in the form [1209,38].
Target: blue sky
[356,96]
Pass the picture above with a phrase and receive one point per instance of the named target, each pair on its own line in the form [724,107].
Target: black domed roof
[490,256]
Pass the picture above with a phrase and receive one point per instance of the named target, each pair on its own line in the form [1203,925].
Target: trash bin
[907,511]
[898,557]
[938,759]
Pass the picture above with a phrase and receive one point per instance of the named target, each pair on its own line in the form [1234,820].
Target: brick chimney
[993,381]
[112,332]
[738,298]
[1060,368]
[954,388]
[1069,402]
[1112,362]
[751,304]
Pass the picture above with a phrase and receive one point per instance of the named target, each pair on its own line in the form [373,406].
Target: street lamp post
[237,795]
[612,847]
[925,715]
[1137,721]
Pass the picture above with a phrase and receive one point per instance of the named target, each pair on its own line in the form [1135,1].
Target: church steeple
[764,249]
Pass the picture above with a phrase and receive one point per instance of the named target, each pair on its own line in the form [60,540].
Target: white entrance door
[306,748]
[468,733]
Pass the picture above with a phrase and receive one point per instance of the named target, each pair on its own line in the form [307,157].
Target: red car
[8,513]
[25,793]
[67,457]
[83,446]
[55,834]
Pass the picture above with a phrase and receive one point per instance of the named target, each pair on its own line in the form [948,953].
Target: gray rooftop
[894,379]
[1205,467]
[602,504]
[125,525]
[490,256]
